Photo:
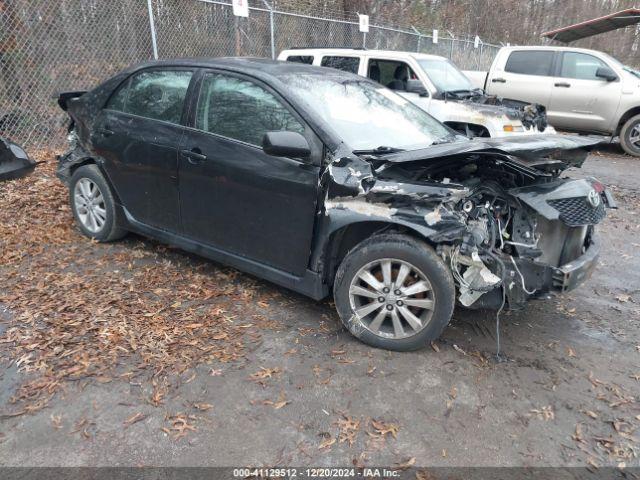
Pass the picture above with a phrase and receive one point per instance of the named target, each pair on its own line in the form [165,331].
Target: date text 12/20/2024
[367,472]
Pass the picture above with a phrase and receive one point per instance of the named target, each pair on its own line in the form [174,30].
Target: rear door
[235,197]
[138,134]
[527,75]
[580,100]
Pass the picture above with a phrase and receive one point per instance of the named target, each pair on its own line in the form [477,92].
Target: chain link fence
[47,47]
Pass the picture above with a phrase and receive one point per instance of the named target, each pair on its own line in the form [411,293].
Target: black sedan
[320,181]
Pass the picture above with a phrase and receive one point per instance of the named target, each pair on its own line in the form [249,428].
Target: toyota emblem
[594,198]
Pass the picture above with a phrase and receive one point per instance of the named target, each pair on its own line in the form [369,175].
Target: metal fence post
[271,29]
[419,38]
[452,41]
[364,40]
[152,27]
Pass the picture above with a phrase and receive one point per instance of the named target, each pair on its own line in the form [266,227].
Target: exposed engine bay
[504,220]
[532,115]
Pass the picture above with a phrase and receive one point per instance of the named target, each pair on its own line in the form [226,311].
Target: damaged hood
[571,149]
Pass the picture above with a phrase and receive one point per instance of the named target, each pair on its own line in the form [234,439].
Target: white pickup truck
[585,91]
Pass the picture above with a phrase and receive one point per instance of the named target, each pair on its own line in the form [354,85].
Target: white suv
[437,86]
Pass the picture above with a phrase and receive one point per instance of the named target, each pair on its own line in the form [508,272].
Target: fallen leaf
[623,298]
[406,464]
[458,349]
[135,418]
[326,443]
[382,428]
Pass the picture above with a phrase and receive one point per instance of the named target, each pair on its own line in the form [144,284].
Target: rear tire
[630,136]
[394,292]
[93,205]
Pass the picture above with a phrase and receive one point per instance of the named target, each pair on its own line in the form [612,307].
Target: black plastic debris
[14,161]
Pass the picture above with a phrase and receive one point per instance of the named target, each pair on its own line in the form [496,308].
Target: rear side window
[530,62]
[153,94]
[348,64]
[580,65]
[242,110]
[306,59]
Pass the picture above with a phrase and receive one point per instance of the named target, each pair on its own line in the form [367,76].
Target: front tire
[93,205]
[630,136]
[394,292]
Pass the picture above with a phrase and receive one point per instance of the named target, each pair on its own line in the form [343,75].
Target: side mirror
[416,86]
[285,144]
[606,73]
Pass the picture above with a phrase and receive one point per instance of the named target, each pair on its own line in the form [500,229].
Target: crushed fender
[497,210]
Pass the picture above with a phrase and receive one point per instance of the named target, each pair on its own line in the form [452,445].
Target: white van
[436,85]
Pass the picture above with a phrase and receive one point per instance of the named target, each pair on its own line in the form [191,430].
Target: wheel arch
[81,160]
[345,237]
[632,112]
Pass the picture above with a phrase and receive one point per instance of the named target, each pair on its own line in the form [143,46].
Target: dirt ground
[135,353]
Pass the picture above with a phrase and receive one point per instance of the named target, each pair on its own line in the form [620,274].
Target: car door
[580,100]
[527,76]
[138,134]
[235,197]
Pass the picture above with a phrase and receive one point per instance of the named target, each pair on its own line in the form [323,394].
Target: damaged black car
[322,181]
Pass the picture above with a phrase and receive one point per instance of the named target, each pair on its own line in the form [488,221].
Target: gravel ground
[285,384]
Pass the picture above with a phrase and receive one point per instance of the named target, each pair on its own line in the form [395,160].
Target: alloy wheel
[90,205]
[391,298]
[634,135]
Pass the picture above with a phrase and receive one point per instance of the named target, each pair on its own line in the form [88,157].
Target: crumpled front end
[527,240]
[506,224]
[500,117]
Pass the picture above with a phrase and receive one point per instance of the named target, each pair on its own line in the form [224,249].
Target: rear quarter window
[155,94]
[306,59]
[530,62]
[347,64]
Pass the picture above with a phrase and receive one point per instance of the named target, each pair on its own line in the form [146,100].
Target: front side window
[346,64]
[241,110]
[391,73]
[530,62]
[366,115]
[580,66]
[155,94]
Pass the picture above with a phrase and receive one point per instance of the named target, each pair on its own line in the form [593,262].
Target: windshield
[367,115]
[619,64]
[632,71]
[446,77]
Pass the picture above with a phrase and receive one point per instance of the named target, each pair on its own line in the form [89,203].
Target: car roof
[271,72]
[551,47]
[360,53]
[262,68]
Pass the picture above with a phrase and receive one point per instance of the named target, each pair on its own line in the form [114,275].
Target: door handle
[498,80]
[105,131]
[194,156]
[562,84]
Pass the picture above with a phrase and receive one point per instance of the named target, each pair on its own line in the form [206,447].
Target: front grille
[577,211]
